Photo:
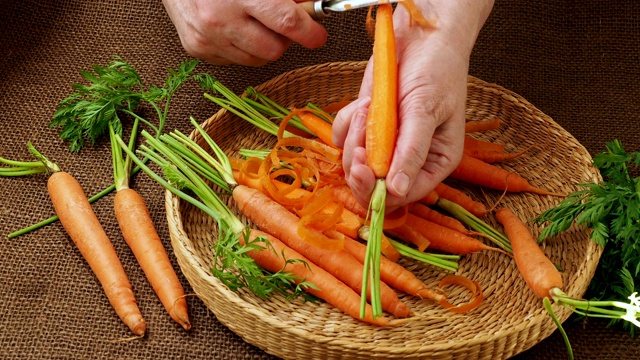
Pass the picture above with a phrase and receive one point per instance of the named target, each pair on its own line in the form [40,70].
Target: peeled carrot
[140,234]
[454,195]
[536,269]
[276,220]
[84,228]
[395,275]
[481,173]
[273,257]
[482,125]
[382,118]
[445,239]
[431,215]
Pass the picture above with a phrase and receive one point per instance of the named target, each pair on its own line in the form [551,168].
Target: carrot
[344,194]
[395,275]
[445,239]
[318,126]
[536,269]
[81,223]
[473,144]
[454,195]
[382,118]
[482,125]
[140,234]
[481,173]
[409,235]
[348,224]
[492,157]
[275,256]
[431,198]
[431,215]
[276,220]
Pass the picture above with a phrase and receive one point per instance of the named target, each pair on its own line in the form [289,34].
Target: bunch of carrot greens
[611,209]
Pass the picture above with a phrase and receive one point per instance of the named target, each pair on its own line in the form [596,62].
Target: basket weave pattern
[511,318]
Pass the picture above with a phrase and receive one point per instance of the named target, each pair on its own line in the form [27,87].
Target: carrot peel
[474,288]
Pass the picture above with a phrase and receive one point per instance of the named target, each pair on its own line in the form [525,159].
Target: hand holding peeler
[320,9]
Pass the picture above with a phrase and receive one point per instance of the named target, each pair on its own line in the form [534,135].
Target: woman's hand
[245,32]
[432,69]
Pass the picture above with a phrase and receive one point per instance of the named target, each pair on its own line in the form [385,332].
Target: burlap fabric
[576,61]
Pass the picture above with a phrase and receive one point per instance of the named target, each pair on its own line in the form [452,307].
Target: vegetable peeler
[319,9]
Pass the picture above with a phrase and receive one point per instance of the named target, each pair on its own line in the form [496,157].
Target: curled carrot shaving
[272,190]
[474,288]
[415,15]
[320,200]
[317,238]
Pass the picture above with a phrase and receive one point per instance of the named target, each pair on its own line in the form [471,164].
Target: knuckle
[289,20]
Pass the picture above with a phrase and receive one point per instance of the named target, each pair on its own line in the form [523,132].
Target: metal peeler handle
[314,8]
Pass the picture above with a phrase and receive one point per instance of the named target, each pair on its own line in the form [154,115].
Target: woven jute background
[577,61]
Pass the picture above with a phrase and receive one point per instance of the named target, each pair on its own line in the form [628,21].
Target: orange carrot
[481,173]
[482,125]
[492,157]
[429,214]
[276,220]
[318,126]
[395,275]
[84,228]
[382,118]
[473,144]
[140,234]
[445,239]
[536,269]
[410,235]
[431,198]
[274,256]
[348,224]
[454,195]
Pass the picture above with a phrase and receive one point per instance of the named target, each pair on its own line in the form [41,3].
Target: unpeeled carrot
[536,269]
[410,235]
[318,126]
[431,198]
[445,239]
[478,172]
[454,195]
[274,257]
[473,144]
[276,220]
[81,223]
[493,157]
[349,223]
[429,214]
[482,125]
[140,234]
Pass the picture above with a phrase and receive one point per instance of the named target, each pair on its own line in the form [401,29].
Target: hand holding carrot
[433,65]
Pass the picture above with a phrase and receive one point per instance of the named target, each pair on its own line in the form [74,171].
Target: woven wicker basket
[510,320]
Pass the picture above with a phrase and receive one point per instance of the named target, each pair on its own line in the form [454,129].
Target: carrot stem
[371,274]
[475,223]
[547,305]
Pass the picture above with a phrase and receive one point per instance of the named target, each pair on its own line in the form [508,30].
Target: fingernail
[401,183]
[359,121]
